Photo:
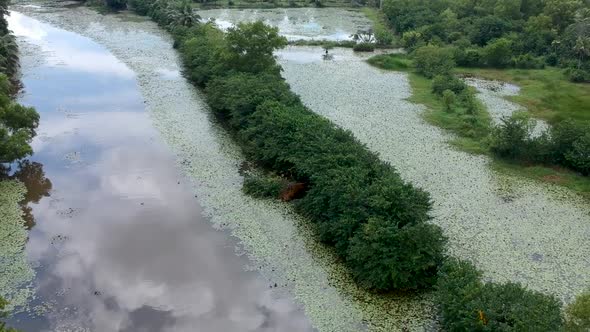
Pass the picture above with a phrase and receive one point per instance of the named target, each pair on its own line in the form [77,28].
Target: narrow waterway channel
[120,242]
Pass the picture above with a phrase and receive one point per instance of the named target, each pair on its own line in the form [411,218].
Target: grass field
[545,93]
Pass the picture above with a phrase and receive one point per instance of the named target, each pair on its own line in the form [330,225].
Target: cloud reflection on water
[121,242]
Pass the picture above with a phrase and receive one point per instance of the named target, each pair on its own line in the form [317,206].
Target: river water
[120,242]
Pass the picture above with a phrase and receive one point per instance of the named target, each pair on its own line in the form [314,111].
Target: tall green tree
[250,47]
[17,125]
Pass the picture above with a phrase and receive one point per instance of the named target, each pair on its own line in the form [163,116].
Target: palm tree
[183,15]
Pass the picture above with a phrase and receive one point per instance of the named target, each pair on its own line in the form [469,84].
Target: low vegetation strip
[376,221]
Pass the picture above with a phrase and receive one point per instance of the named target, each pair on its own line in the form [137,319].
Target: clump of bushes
[527,61]
[377,222]
[431,61]
[578,314]
[442,83]
[566,144]
[468,304]
[261,186]
[364,47]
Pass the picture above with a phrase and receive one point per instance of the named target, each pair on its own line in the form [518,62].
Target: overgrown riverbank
[546,93]
[17,129]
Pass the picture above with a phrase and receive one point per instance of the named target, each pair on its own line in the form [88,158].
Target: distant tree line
[499,33]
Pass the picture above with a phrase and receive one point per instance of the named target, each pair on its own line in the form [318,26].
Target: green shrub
[441,83]
[264,186]
[364,47]
[236,96]
[18,125]
[448,98]
[469,57]
[579,154]
[578,75]
[200,52]
[527,61]
[383,254]
[412,40]
[383,36]
[431,61]
[578,314]
[563,135]
[512,139]
[498,53]
[468,304]
[348,187]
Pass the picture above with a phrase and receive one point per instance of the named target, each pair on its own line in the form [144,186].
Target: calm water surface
[118,240]
[297,23]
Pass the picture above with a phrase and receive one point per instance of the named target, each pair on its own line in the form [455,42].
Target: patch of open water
[297,23]
[119,241]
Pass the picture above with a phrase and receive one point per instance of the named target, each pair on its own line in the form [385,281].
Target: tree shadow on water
[32,175]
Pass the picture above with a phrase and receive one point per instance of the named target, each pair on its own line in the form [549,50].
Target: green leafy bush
[578,75]
[448,98]
[379,254]
[579,154]
[578,314]
[264,186]
[498,53]
[468,304]
[441,83]
[512,139]
[563,136]
[527,61]
[432,60]
[383,36]
[17,125]
[364,47]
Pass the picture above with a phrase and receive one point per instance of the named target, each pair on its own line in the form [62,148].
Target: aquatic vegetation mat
[513,229]
[16,274]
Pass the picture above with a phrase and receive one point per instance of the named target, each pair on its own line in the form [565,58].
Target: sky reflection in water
[120,243]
